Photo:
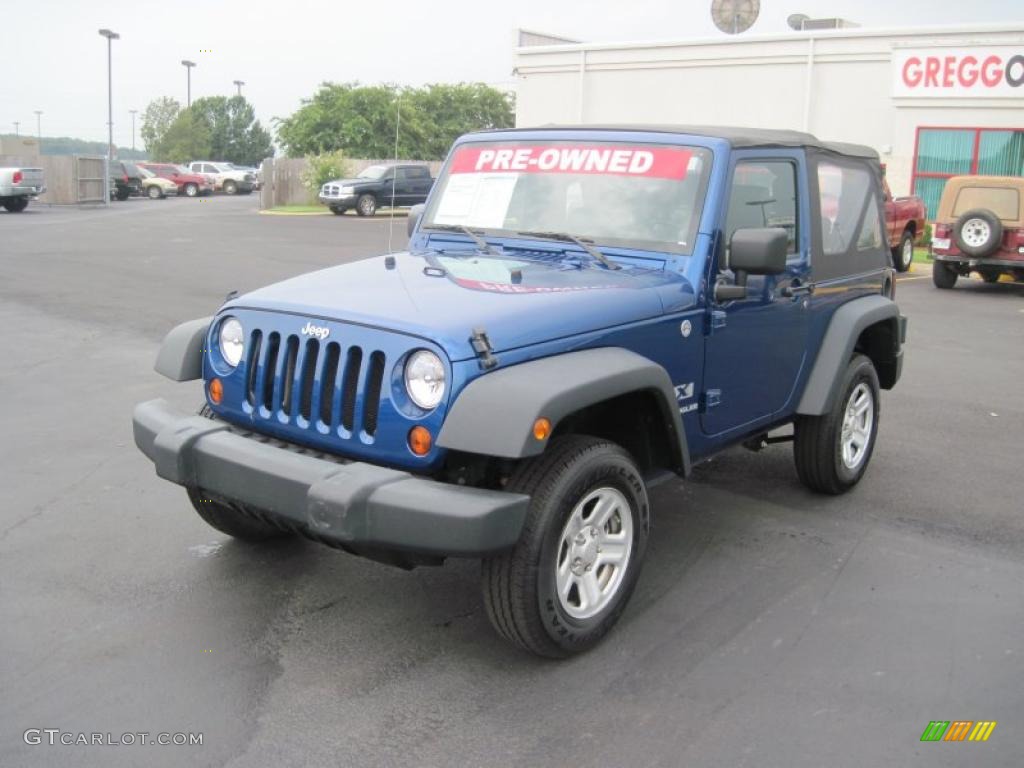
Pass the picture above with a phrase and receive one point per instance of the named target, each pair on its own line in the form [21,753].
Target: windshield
[146,173]
[372,172]
[644,196]
[183,169]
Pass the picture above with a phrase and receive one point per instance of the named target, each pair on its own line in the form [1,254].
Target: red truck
[189,184]
[904,218]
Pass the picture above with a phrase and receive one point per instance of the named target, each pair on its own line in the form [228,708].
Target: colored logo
[959,730]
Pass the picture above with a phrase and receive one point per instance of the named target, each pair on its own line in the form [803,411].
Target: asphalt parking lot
[771,626]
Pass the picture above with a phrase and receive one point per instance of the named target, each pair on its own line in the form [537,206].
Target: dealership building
[935,102]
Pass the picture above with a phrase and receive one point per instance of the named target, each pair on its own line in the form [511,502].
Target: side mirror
[414,218]
[754,252]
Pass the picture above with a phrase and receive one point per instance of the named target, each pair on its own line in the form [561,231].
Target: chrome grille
[313,384]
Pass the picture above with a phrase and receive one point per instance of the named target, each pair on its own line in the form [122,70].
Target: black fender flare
[837,345]
[181,354]
[494,414]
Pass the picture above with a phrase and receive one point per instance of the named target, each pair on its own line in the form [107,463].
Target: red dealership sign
[615,159]
[980,72]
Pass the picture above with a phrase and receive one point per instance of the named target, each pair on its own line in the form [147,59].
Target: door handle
[796,287]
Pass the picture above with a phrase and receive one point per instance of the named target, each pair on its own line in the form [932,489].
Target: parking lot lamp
[16,124]
[111,36]
[133,112]
[188,68]
[239,84]
[39,129]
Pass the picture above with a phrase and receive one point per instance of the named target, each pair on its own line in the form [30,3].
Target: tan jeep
[980,228]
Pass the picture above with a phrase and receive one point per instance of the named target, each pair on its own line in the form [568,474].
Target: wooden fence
[69,179]
[283,184]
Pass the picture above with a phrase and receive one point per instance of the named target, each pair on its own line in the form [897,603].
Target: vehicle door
[398,184]
[755,349]
[419,184]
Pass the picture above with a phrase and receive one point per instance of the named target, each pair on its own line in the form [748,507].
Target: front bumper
[350,504]
[340,201]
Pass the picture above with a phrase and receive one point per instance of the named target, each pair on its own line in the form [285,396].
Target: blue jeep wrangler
[581,312]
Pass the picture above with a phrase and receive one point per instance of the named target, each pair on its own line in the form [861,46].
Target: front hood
[443,298]
[349,182]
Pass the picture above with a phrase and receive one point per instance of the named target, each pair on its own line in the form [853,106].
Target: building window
[945,152]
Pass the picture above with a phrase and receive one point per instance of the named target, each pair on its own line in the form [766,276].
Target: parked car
[226,178]
[256,174]
[189,184]
[156,187]
[126,179]
[904,219]
[18,186]
[378,185]
[581,312]
[979,227]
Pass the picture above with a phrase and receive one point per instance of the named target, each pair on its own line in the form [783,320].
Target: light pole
[16,124]
[133,112]
[188,68]
[39,129]
[111,36]
[239,84]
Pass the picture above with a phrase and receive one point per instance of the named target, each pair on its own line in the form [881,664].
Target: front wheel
[903,254]
[832,451]
[155,193]
[568,579]
[16,204]
[230,187]
[366,205]
[191,190]
[943,275]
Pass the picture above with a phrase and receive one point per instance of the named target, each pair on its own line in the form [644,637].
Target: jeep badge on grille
[315,330]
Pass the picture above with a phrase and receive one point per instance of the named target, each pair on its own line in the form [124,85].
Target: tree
[187,138]
[235,134]
[157,118]
[361,120]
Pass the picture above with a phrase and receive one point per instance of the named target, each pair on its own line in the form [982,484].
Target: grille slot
[291,353]
[255,341]
[268,368]
[349,385]
[327,382]
[306,378]
[374,379]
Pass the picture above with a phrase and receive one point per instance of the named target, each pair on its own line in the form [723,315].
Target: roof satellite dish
[734,16]
[796,21]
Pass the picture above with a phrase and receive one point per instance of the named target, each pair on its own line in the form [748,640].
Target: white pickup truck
[18,185]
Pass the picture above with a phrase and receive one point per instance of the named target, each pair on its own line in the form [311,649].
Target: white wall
[836,85]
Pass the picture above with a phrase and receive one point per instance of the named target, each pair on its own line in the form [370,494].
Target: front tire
[230,187]
[366,205]
[568,579]
[191,190]
[943,275]
[155,193]
[832,451]
[16,204]
[903,254]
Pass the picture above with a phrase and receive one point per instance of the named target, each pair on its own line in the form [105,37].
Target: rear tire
[943,275]
[568,579]
[366,205]
[16,204]
[832,451]
[903,254]
[191,190]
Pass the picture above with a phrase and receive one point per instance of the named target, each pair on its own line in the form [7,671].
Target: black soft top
[737,137]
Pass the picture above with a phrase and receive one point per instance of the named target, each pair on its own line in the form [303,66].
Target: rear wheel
[832,451]
[16,204]
[191,190]
[568,579]
[903,254]
[943,275]
[230,187]
[154,192]
[366,205]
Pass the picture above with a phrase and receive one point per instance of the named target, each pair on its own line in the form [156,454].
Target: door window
[763,194]
[849,206]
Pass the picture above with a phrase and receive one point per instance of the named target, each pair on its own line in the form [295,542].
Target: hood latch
[484,351]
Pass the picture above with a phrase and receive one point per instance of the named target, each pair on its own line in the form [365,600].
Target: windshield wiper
[473,235]
[565,237]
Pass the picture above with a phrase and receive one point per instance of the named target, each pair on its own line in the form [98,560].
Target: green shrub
[925,237]
[323,168]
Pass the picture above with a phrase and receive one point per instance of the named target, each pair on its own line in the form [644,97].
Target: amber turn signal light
[216,391]
[420,440]
[541,429]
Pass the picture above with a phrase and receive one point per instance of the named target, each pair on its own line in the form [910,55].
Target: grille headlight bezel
[231,340]
[425,379]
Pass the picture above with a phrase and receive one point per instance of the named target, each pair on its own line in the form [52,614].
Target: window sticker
[650,162]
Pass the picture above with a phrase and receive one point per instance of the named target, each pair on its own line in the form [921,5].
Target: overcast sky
[54,59]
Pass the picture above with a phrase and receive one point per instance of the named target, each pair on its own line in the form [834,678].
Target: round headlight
[424,379]
[232,341]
